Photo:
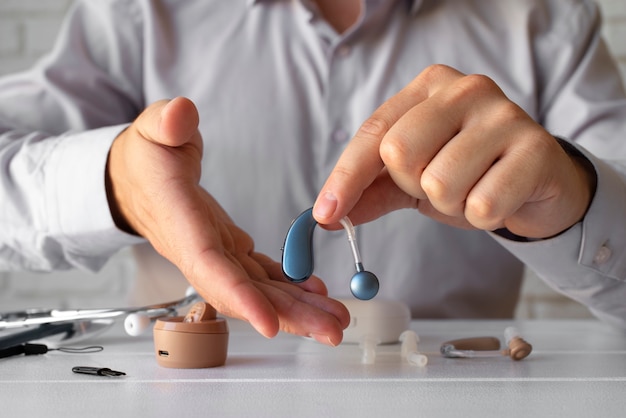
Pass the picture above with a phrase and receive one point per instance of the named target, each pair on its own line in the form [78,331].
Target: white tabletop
[577,369]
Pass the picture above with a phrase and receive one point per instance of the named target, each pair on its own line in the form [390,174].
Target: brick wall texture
[28,29]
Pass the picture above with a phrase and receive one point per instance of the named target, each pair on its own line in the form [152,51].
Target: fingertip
[179,120]
[265,324]
[332,341]
[180,104]
[241,300]
[264,320]
[267,332]
[325,207]
[343,315]
[337,339]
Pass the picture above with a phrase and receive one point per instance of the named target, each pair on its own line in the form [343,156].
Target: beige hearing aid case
[190,345]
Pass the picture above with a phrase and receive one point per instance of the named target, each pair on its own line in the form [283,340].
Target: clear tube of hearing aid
[349,227]
[368,345]
[510,333]
[409,349]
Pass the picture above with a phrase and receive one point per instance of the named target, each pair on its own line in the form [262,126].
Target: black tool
[26,349]
[97,371]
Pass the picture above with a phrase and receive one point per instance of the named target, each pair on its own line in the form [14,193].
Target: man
[268,94]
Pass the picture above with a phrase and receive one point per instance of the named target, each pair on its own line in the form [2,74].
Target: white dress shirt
[280,93]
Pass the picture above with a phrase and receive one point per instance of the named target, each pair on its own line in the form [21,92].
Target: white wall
[28,29]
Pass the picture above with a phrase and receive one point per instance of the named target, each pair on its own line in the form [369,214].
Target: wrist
[585,169]
[116,213]
[587,177]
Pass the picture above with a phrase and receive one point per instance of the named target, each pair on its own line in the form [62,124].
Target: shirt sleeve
[588,261]
[584,101]
[57,123]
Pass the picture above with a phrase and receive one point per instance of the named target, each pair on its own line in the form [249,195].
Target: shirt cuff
[78,210]
[592,248]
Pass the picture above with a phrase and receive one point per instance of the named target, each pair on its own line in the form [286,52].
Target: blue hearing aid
[298,255]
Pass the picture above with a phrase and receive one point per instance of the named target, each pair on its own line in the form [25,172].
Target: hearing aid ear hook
[297,259]
[517,347]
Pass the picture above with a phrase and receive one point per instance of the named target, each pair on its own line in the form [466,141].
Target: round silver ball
[364,285]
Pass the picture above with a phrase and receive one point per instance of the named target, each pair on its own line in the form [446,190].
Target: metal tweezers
[97,371]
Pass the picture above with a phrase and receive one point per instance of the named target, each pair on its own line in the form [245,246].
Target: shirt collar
[414,5]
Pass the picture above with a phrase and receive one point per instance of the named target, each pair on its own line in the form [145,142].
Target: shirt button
[340,135]
[343,51]
[602,255]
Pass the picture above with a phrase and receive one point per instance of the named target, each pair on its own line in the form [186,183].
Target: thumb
[169,122]
[380,198]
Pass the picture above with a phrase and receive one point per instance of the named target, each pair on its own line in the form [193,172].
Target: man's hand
[457,149]
[153,172]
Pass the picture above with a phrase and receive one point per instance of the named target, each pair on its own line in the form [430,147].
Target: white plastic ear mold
[380,319]
[368,345]
[409,349]
[136,324]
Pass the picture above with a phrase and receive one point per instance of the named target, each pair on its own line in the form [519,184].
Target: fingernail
[166,107]
[160,132]
[325,206]
[323,339]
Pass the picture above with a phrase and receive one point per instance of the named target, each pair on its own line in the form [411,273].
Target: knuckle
[533,151]
[342,172]
[396,152]
[435,187]
[375,127]
[482,212]
[435,72]
[472,87]
[507,113]
[441,195]
[479,82]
